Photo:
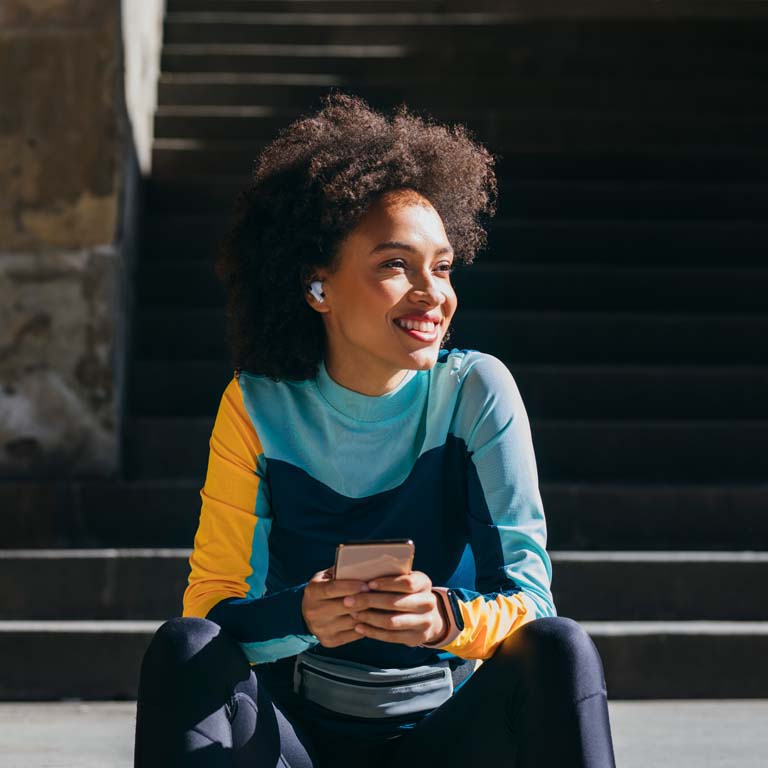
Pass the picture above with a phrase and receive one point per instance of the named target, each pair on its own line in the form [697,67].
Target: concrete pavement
[663,734]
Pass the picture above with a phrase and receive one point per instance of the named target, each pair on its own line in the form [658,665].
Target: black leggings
[539,701]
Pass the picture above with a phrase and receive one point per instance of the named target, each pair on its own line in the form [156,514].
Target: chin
[424,359]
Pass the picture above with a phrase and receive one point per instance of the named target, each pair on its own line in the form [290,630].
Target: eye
[444,267]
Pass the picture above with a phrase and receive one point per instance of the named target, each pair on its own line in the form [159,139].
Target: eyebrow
[396,245]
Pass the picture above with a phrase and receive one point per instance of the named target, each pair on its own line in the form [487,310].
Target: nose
[426,286]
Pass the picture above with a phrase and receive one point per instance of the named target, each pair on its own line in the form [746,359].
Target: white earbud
[316,289]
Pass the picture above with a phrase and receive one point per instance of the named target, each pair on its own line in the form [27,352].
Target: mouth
[415,333]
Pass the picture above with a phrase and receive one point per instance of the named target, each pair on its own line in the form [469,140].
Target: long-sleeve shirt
[296,467]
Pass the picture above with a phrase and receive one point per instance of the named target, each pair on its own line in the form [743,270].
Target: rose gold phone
[370,559]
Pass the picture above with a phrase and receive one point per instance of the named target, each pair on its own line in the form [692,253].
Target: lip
[436,319]
[420,335]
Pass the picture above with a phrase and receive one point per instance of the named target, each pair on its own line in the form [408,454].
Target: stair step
[681,95]
[99,513]
[428,30]
[221,126]
[189,157]
[303,6]
[664,660]
[488,286]
[599,10]
[732,166]
[149,584]
[584,337]
[89,660]
[642,660]
[92,583]
[181,208]
[501,29]
[520,337]
[555,60]
[667,452]
[652,451]
[652,517]
[548,391]
[629,241]
[83,514]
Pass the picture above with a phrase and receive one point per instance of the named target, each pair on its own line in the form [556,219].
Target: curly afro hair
[310,187]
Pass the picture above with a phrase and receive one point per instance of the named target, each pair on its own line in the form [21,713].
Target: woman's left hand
[399,609]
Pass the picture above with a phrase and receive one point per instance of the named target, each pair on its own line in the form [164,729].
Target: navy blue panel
[486,539]
[430,507]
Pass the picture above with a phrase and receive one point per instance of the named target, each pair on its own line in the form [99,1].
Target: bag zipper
[375,684]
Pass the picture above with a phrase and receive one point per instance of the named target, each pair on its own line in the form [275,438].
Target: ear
[309,276]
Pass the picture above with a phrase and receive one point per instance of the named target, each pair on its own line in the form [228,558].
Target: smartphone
[367,560]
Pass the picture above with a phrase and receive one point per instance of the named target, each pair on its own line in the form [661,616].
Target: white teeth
[425,327]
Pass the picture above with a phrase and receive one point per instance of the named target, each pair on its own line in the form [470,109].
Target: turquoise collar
[360,407]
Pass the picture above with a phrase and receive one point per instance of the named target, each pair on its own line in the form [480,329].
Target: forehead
[401,214]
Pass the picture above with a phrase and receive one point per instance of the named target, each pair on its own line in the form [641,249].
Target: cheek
[380,298]
[370,303]
[451,299]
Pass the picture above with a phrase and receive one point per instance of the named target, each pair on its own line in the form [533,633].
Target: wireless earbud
[316,289]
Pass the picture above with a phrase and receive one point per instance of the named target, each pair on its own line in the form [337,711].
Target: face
[396,262]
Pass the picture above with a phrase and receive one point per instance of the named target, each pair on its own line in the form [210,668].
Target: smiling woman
[380,209]
[385,316]
[348,419]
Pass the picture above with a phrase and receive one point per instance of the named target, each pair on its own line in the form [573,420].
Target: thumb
[324,575]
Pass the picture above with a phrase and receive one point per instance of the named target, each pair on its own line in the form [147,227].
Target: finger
[347,637]
[340,623]
[343,625]
[415,581]
[396,622]
[332,614]
[342,587]
[376,633]
[323,575]
[418,602]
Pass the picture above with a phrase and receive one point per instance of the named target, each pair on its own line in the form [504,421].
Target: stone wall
[65,149]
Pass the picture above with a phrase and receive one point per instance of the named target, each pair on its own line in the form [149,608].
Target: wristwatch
[444,595]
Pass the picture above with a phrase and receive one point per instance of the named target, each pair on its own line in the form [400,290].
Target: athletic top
[296,467]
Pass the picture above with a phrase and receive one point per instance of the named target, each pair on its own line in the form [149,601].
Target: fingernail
[364,588]
[349,601]
[373,584]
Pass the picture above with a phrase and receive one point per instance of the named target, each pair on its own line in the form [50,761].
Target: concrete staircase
[624,285]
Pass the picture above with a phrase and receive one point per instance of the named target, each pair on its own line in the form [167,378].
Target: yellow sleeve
[220,561]
[486,623]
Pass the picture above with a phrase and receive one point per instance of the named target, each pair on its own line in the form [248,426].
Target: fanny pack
[361,690]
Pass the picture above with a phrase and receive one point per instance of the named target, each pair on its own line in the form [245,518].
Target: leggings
[540,701]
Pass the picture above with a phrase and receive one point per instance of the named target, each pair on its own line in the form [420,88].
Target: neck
[371,383]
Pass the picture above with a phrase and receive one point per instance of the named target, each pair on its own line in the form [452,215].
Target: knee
[189,647]
[556,651]
[177,640]
[560,637]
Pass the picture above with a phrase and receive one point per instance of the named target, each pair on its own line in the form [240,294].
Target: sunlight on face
[396,262]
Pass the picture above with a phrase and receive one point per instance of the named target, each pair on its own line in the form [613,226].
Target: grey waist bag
[357,689]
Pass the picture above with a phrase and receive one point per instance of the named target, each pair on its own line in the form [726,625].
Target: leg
[538,702]
[200,704]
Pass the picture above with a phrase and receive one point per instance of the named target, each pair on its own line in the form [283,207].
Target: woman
[348,418]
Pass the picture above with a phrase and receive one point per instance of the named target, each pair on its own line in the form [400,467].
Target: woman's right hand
[322,606]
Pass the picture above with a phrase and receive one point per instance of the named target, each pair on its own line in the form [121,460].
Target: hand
[399,609]
[323,608]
